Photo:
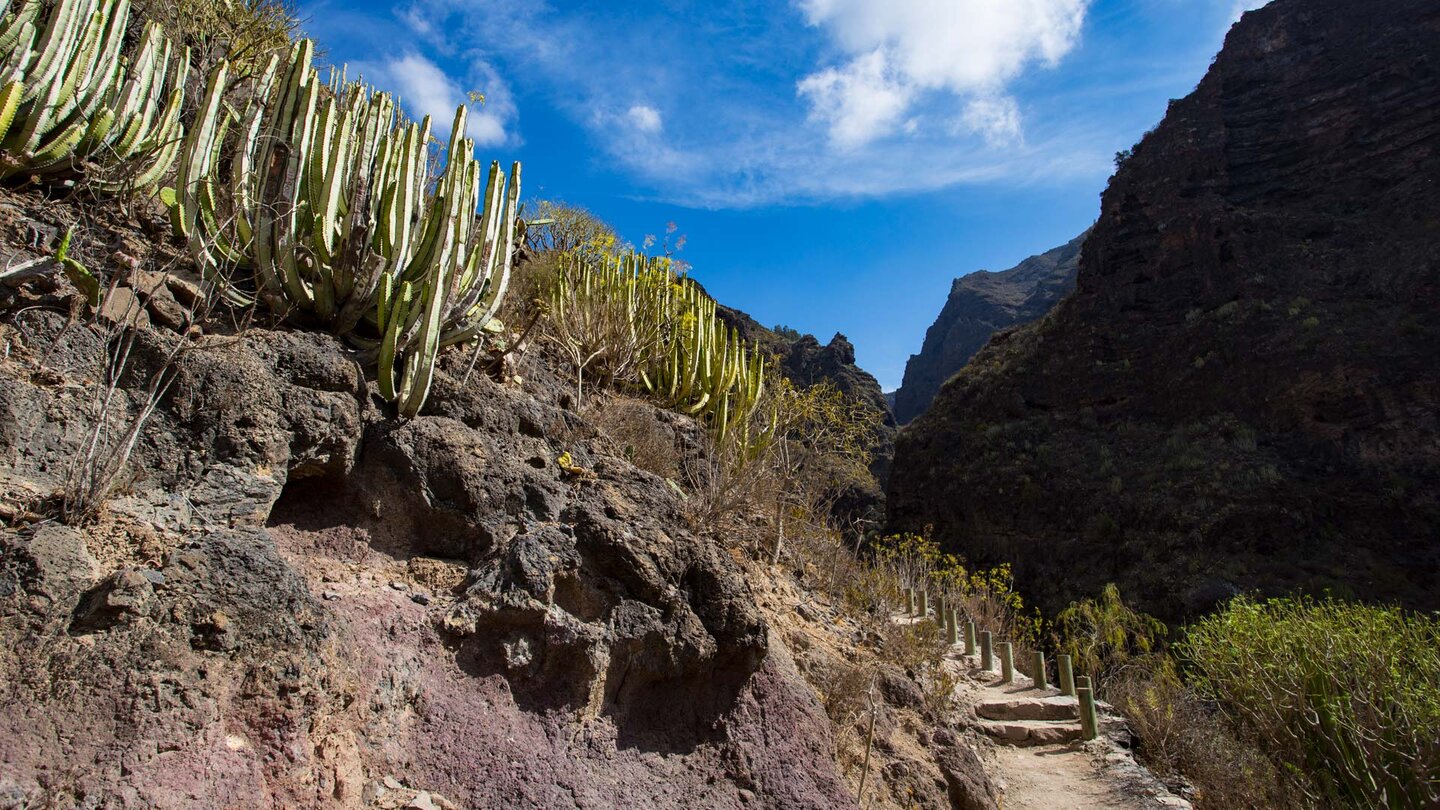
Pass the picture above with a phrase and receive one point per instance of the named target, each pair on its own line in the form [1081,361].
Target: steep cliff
[980,304]
[1242,392]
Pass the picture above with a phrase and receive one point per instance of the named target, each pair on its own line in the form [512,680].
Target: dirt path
[1044,765]
[1053,777]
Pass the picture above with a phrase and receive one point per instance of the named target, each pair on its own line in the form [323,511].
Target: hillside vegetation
[335,473]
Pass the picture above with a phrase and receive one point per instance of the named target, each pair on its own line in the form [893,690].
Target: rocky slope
[979,305]
[296,600]
[1242,392]
[299,596]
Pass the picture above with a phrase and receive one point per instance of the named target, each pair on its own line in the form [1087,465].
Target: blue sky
[833,164]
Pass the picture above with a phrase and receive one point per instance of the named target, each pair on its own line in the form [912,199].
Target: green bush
[1345,697]
[1104,635]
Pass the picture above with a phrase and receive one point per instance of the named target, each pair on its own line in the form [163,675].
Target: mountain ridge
[980,304]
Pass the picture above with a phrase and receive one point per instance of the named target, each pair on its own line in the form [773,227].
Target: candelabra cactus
[69,98]
[707,371]
[326,205]
[611,314]
[631,320]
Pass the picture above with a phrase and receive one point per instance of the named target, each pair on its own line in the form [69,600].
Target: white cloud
[901,49]
[425,89]
[859,102]
[997,119]
[908,103]
[644,118]
[493,122]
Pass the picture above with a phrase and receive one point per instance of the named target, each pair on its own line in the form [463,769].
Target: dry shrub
[818,445]
[919,648]
[244,32]
[640,435]
[531,282]
[1182,734]
[847,691]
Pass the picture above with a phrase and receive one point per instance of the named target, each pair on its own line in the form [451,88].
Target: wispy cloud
[753,102]
[859,102]
[644,118]
[425,89]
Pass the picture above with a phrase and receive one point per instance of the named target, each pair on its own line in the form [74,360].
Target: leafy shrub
[562,229]
[986,596]
[1180,733]
[1345,697]
[1103,636]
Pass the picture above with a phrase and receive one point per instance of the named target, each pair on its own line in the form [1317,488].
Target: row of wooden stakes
[918,605]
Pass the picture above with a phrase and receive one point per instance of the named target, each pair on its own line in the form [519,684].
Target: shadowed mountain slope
[1242,392]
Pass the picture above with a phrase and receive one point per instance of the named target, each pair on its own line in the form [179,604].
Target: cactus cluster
[313,199]
[610,313]
[631,320]
[72,95]
[705,369]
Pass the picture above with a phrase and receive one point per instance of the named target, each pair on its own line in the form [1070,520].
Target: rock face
[1242,393]
[805,362]
[981,304]
[299,601]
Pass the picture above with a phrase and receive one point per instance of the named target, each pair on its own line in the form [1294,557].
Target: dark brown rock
[966,782]
[1242,392]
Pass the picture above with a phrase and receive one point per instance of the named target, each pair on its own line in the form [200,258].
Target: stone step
[1057,707]
[1026,733]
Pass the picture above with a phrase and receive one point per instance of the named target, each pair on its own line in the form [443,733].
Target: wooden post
[969,638]
[1089,727]
[1007,662]
[1039,676]
[1067,676]
[987,652]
